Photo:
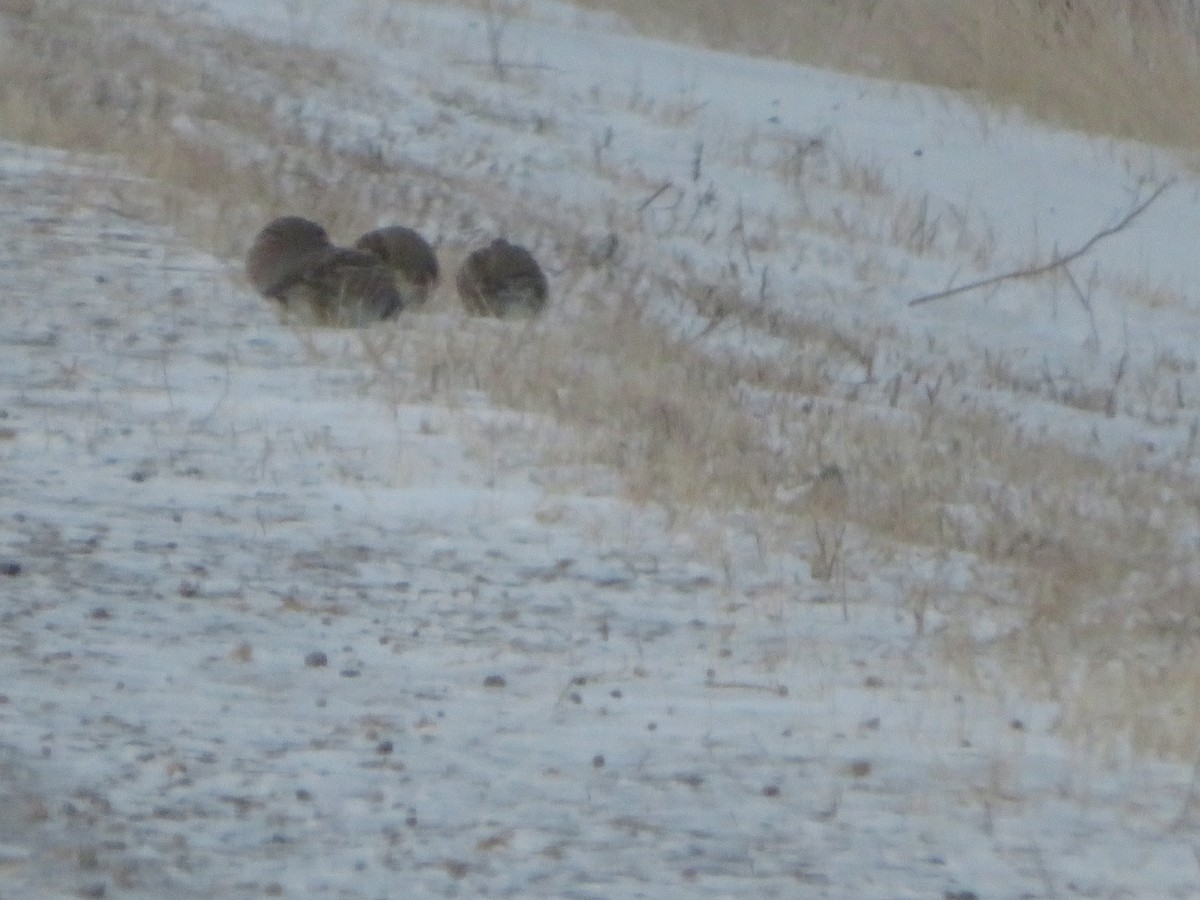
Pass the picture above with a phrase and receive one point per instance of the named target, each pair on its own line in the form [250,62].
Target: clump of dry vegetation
[823,459]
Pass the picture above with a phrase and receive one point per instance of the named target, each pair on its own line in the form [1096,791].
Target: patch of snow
[265,632]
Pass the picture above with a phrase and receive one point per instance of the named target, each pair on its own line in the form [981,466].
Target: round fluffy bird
[410,258]
[279,248]
[293,262]
[502,279]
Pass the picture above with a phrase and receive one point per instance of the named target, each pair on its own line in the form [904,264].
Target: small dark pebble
[11,569]
[1016,725]
[303,795]
[494,681]
[101,613]
[384,748]
[961,895]
[411,821]
[350,673]
[771,790]
[575,698]
[616,694]
[94,891]
[316,660]
[598,761]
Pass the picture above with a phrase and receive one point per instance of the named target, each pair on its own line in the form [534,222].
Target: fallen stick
[1056,262]
[666,185]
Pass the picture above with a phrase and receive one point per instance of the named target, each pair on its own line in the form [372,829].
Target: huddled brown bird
[502,279]
[293,262]
[408,256]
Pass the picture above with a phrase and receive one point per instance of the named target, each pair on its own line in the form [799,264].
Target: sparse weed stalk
[916,227]
[498,16]
[829,540]
[859,177]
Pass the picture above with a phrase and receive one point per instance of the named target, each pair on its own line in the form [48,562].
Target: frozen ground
[264,631]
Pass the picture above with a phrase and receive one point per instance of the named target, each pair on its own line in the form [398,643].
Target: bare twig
[1110,407]
[1057,261]
[508,66]
[666,185]
[496,22]
[740,230]
[1085,302]
[778,689]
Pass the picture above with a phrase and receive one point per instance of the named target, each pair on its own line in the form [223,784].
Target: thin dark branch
[1085,302]
[481,64]
[1056,262]
[662,190]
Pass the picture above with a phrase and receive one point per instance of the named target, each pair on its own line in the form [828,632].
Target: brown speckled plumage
[408,256]
[279,249]
[501,279]
[293,262]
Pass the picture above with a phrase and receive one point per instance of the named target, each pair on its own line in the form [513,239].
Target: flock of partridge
[293,262]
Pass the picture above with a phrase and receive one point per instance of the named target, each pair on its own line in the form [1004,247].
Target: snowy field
[272,624]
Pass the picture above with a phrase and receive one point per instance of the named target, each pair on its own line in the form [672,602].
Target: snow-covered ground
[267,631]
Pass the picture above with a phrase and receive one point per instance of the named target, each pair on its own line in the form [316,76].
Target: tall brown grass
[1129,68]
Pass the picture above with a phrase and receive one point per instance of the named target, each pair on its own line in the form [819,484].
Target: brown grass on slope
[1129,68]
